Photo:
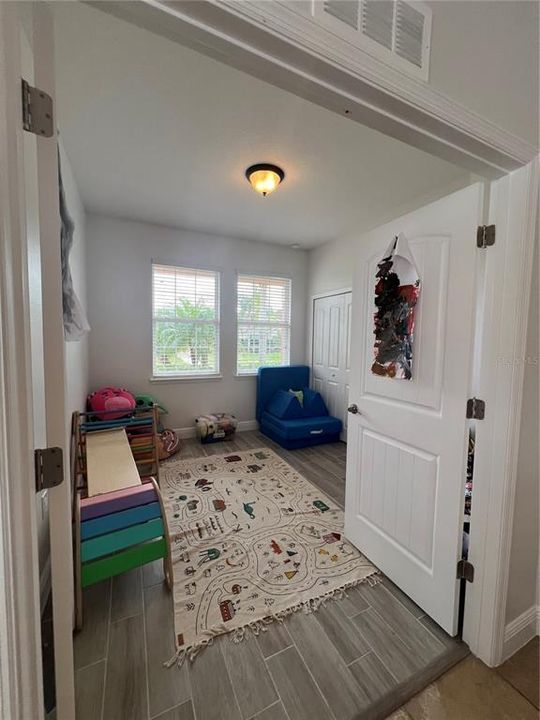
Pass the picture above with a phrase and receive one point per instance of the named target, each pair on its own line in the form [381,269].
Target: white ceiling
[157,132]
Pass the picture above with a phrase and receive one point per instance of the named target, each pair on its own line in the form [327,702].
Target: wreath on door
[397,291]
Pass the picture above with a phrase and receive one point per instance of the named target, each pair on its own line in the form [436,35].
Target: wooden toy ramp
[110,464]
[118,516]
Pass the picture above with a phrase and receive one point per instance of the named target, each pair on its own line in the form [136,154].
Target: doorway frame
[21,686]
[21,689]
[262,39]
[422,120]
[512,206]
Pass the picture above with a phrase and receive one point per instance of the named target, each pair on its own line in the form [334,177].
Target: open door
[407,442]
[32,316]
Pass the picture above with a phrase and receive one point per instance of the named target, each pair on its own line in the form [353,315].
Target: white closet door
[331,351]
[347,311]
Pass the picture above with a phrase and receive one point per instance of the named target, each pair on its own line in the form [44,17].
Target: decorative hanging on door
[396,294]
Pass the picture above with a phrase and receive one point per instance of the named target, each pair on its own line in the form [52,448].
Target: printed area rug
[252,541]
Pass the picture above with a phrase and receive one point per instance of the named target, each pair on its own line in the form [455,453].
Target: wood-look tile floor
[359,657]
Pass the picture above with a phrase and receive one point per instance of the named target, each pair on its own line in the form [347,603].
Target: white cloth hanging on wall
[75,322]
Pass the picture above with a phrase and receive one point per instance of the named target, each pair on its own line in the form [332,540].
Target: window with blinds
[185,311]
[264,322]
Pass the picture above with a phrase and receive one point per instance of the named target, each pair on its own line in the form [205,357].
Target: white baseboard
[518,632]
[190,432]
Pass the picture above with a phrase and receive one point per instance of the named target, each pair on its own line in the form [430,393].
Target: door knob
[353,409]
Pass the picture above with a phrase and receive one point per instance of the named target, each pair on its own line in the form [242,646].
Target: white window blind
[185,321]
[264,322]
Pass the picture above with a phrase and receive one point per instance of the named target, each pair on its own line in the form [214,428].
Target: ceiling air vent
[344,10]
[409,33]
[378,21]
[396,31]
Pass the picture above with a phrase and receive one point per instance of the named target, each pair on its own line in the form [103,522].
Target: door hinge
[49,468]
[476,409]
[465,571]
[37,111]
[485,236]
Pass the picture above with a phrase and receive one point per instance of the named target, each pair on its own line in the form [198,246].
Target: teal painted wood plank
[121,539]
[98,570]
[116,521]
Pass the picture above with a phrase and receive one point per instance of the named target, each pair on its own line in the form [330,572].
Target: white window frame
[268,276]
[187,376]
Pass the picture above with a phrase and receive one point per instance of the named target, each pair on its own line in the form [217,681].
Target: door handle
[354,409]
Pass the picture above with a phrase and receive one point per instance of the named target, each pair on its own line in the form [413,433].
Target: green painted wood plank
[98,570]
[121,539]
[105,524]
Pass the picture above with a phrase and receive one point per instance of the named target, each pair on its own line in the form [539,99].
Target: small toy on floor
[216,426]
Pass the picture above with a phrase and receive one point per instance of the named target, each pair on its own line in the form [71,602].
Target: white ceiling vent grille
[396,31]
[378,21]
[344,10]
[409,33]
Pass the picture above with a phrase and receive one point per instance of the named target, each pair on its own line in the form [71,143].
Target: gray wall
[523,583]
[485,56]
[119,291]
[331,265]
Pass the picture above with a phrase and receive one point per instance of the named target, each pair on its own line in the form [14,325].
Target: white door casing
[331,352]
[20,650]
[504,283]
[61,541]
[407,446]
[32,319]
[31,193]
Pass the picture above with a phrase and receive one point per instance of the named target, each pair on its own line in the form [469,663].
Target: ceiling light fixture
[264,178]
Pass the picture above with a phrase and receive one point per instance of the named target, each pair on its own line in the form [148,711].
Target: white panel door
[347,328]
[406,452]
[331,351]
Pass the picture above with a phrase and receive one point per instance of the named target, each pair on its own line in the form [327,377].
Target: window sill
[239,376]
[184,378]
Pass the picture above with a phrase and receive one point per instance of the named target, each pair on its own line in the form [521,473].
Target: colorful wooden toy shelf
[142,434]
[119,519]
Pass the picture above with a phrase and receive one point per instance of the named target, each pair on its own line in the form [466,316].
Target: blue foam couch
[284,418]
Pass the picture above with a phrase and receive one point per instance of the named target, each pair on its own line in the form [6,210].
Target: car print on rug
[252,541]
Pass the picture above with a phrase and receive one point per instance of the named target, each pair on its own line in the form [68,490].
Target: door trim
[22,682]
[508,274]
[330,293]
[58,425]
[21,685]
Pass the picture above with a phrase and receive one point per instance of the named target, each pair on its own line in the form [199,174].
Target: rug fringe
[258,626]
